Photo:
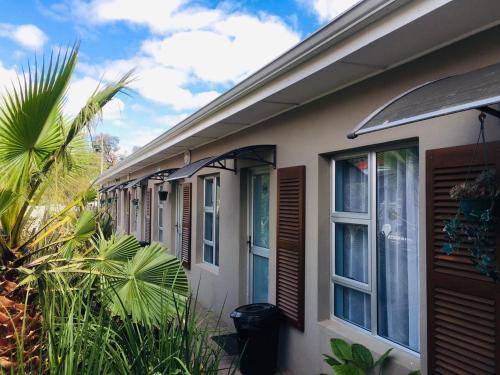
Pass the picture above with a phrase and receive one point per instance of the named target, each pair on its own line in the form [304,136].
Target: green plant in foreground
[352,359]
[355,359]
[79,336]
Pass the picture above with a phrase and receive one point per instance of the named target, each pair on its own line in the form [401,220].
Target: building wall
[305,136]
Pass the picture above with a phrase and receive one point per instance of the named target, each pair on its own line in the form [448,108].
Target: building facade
[265,198]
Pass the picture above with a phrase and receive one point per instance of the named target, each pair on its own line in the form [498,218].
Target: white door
[161,213]
[259,237]
[178,219]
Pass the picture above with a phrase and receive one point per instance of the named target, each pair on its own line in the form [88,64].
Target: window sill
[208,267]
[401,357]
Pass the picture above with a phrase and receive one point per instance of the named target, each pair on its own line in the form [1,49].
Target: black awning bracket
[490,111]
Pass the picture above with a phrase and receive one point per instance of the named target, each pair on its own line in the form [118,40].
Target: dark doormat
[228,343]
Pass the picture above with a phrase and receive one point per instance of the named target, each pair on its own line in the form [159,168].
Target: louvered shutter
[290,244]
[186,225]
[463,305]
[147,216]
[127,214]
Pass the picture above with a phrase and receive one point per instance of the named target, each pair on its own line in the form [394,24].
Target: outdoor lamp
[162,195]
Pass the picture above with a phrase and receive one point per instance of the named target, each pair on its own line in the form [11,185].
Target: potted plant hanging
[477,201]
[476,197]
[135,202]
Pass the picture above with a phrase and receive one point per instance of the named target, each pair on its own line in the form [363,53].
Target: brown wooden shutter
[147,216]
[291,244]
[186,225]
[127,204]
[463,305]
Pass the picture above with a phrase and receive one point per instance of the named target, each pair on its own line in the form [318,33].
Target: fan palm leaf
[38,143]
[151,282]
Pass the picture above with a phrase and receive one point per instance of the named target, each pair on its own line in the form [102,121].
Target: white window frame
[369,219]
[213,210]
[161,217]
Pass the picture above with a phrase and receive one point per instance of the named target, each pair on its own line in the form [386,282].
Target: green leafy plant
[353,359]
[473,222]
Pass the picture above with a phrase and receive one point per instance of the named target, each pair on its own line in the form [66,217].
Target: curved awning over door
[478,89]
[253,153]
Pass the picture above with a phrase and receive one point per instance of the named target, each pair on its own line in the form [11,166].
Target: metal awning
[163,174]
[159,175]
[136,182]
[252,153]
[109,189]
[473,90]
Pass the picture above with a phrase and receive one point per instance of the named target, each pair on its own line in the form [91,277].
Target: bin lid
[255,310]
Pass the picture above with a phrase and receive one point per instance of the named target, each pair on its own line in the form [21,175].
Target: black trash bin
[258,327]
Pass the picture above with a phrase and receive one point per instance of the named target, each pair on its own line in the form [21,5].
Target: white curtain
[397,239]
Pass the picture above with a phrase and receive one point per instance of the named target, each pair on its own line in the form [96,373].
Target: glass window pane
[260,275]
[160,216]
[217,212]
[209,192]
[160,235]
[397,246]
[353,306]
[351,185]
[351,251]
[260,210]
[209,225]
[208,254]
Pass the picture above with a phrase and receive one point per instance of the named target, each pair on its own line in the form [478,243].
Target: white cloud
[171,120]
[8,76]
[228,52]
[193,47]
[160,16]
[327,10]
[29,36]
[139,136]
[78,93]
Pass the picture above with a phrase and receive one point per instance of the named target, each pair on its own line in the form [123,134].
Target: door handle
[249,243]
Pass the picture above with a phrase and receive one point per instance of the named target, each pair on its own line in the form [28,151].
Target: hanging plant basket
[473,208]
[135,202]
[476,215]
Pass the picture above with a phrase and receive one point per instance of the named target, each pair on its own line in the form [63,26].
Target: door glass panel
[260,279]
[160,216]
[351,251]
[209,192]
[217,213]
[209,225]
[261,210]
[351,185]
[397,246]
[208,253]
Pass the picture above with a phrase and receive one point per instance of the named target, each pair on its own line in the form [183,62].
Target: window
[211,202]
[161,228]
[375,282]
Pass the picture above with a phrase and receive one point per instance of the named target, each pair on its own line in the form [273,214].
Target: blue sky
[185,53]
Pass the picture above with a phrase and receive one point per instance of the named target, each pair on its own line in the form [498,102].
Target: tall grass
[80,336]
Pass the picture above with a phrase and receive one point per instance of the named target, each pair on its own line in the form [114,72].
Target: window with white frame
[161,209]
[375,282]
[211,202]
